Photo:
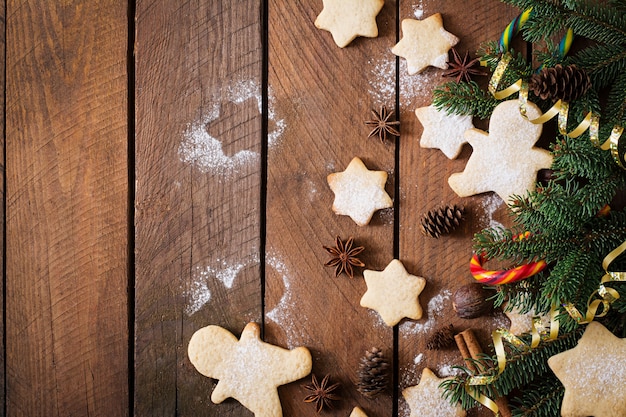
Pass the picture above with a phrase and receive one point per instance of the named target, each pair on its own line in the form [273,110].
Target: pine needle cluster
[565,215]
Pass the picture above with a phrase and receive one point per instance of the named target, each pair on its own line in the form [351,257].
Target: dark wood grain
[198,169]
[323,95]
[67,209]
[2,188]
[424,173]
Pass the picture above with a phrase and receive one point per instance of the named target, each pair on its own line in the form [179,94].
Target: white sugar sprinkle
[418,10]
[206,152]
[490,204]
[198,295]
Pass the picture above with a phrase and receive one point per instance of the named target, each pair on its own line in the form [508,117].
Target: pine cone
[442,220]
[560,83]
[373,373]
[441,339]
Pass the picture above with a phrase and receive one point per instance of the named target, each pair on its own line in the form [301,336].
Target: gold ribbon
[607,295]
[539,333]
[560,108]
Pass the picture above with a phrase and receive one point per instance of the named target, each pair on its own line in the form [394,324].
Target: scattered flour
[490,204]
[418,358]
[418,10]
[205,152]
[382,88]
[198,295]
[435,306]
[285,313]
[447,370]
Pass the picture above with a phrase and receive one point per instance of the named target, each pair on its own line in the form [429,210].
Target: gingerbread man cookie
[249,370]
[504,160]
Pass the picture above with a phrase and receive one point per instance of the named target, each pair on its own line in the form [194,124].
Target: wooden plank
[323,94]
[2,188]
[444,262]
[198,171]
[67,208]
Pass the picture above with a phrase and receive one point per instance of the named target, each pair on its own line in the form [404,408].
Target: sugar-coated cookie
[425,399]
[249,370]
[594,374]
[443,131]
[347,19]
[504,159]
[424,42]
[359,192]
[393,293]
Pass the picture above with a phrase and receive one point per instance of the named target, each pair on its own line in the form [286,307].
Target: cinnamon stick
[471,351]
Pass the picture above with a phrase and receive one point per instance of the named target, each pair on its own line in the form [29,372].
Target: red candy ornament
[504,276]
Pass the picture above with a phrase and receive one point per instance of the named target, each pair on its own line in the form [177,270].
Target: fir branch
[464,99]
[617,101]
[597,22]
[603,63]
[540,399]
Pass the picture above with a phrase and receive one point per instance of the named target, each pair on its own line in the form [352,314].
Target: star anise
[321,393]
[344,256]
[462,68]
[381,125]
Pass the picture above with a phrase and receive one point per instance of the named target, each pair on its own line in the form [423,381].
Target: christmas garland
[565,237]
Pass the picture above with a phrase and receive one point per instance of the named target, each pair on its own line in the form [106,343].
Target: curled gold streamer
[607,295]
[590,121]
[538,333]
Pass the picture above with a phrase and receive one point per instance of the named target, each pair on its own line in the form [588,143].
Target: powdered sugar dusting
[382,81]
[447,370]
[205,152]
[418,10]
[198,295]
[416,90]
[435,307]
[490,204]
[283,313]
[418,358]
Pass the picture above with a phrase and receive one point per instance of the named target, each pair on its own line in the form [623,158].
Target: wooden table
[165,169]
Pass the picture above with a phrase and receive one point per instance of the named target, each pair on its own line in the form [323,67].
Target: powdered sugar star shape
[424,42]
[347,19]
[249,370]
[504,160]
[359,192]
[443,131]
[594,374]
[393,293]
[425,398]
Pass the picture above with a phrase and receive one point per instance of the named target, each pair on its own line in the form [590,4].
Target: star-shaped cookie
[424,42]
[503,160]
[249,370]
[393,293]
[357,412]
[523,323]
[425,399]
[347,19]
[359,192]
[594,374]
[443,131]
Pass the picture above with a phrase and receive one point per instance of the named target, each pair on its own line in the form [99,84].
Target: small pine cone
[442,220]
[560,83]
[373,373]
[441,339]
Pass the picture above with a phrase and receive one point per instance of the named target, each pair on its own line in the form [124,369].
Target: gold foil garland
[590,122]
